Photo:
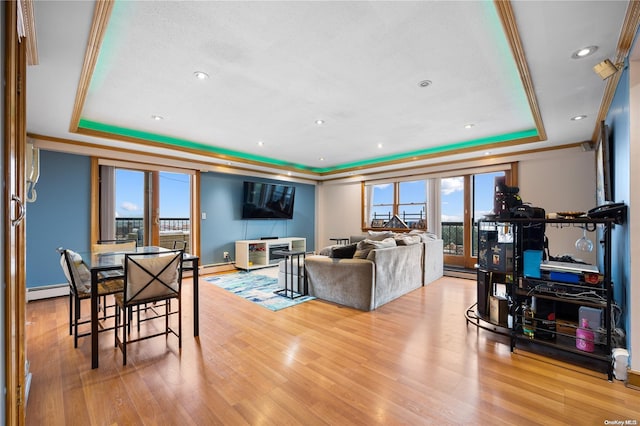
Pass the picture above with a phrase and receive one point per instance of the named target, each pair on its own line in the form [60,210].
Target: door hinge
[19,395]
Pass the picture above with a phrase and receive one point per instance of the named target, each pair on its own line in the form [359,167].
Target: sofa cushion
[344,252]
[379,235]
[357,238]
[407,240]
[365,246]
[424,236]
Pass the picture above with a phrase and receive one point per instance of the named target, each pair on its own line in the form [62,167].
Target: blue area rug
[257,289]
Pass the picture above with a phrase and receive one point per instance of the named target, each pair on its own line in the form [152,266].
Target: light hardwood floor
[414,361]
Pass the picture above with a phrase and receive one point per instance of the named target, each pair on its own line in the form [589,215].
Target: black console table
[287,291]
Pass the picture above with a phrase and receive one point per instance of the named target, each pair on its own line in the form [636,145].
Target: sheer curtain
[434,219]
[368,199]
[107,203]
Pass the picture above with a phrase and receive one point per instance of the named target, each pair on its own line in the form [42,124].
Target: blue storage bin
[532,260]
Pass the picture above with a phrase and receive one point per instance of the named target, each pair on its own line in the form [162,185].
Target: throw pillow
[424,236]
[326,251]
[407,240]
[82,272]
[365,246]
[379,235]
[344,252]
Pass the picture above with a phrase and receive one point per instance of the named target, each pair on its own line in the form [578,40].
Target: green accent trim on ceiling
[434,150]
[177,142]
[183,143]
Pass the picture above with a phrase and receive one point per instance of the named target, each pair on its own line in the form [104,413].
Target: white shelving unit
[254,254]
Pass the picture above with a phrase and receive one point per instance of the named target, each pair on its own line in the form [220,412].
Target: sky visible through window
[452,196]
[174,194]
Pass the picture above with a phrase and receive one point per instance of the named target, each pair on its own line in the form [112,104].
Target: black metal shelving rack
[564,344]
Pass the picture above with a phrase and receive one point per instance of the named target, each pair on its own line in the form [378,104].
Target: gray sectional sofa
[384,275]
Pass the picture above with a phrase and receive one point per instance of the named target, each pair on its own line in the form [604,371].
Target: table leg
[94,319]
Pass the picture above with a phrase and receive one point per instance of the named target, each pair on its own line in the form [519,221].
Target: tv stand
[254,254]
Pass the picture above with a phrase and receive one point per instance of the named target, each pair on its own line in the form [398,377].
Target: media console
[253,254]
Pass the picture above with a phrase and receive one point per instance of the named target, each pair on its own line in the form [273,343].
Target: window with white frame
[396,205]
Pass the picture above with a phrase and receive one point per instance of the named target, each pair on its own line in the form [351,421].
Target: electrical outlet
[225,255]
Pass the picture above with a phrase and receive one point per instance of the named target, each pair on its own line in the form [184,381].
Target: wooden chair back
[107,247]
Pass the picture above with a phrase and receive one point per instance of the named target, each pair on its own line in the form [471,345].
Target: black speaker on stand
[484,288]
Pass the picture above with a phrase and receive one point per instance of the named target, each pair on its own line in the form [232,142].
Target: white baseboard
[48,291]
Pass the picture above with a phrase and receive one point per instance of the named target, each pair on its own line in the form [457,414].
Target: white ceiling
[276,67]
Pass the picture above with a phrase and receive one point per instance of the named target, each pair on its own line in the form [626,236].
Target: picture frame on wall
[603,167]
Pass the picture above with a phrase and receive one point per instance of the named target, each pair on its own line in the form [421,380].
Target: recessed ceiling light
[468,126]
[487,153]
[321,158]
[288,173]
[578,117]
[157,117]
[379,145]
[201,75]
[584,52]
[319,122]
[260,143]
[425,83]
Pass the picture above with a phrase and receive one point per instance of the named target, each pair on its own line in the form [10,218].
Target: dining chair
[107,246]
[149,279]
[179,245]
[79,279]
[111,246]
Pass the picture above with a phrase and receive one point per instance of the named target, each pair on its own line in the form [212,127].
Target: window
[151,204]
[396,205]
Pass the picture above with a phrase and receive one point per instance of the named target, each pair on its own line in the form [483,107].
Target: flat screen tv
[267,201]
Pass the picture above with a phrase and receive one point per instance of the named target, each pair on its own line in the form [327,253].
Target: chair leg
[116,325]
[179,321]
[104,307]
[166,321]
[77,319]
[127,325]
[70,312]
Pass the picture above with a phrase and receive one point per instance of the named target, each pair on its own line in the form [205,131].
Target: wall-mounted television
[267,201]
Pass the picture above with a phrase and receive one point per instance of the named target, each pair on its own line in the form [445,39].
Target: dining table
[111,264]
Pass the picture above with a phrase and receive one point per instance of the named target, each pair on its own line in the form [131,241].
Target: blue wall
[618,120]
[60,216]
[221,200]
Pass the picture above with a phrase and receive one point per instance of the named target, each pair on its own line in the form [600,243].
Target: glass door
[174,210]
[132,219]
[454,219]
[465,200]
[151,207]
[483,202]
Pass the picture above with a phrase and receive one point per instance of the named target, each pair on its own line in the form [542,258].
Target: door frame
[152,209]
[14,269]
[467,260]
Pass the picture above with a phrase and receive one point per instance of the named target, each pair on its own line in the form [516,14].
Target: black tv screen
[267,201]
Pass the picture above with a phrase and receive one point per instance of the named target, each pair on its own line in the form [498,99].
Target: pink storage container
[585,337]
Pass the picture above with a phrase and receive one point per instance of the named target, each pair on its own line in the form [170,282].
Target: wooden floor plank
[412,361]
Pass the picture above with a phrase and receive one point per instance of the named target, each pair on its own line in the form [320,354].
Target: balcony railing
[453,238]
[412,220]
[171,229]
